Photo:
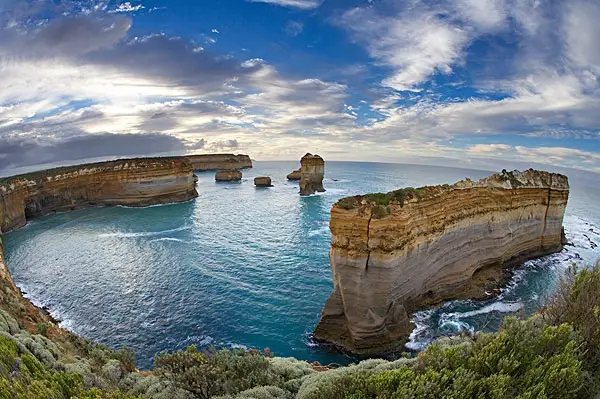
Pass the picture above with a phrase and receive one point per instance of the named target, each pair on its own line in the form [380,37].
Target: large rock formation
[312,170]
[131,182]
[228,175]
[219,161]
[392,254]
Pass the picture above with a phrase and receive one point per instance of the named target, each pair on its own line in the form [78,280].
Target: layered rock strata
[295,175]
[395,253]
[219,161]
[312,171]
[263,181]
[228,175]
[130,182]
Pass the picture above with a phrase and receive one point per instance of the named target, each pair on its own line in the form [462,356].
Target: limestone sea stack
[219,161]
[131,182]
[228,175]
[262,181]
[395,253]
[312,171]
[295,175]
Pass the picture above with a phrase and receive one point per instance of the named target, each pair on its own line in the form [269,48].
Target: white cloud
[128,7]
[294,28]
[302,4]
[416,42]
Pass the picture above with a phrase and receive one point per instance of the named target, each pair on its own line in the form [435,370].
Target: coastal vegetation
[553,354]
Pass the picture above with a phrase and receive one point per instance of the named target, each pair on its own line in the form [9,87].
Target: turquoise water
[241,266]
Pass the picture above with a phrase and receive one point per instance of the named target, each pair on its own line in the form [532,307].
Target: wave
[143,233]
[168,239]
[501,307]
[319,232]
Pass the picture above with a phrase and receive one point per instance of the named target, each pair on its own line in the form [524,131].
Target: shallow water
[242,266]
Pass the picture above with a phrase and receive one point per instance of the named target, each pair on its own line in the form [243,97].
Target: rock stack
[262,181]
[228,175]
[312,171]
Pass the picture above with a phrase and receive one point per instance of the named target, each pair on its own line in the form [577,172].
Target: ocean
[246,267]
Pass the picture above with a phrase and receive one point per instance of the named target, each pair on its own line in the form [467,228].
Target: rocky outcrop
[130,182]
[219,161]
[394,253]
[228,175]
[295,175]
[312,171]
[262,181]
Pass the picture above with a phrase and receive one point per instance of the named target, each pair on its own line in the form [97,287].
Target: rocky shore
[394,253]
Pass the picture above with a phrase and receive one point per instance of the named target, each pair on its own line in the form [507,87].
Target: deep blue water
[241,266]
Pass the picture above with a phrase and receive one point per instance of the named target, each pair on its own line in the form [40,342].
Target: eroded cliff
[219,161]
[130,182]
[394,253]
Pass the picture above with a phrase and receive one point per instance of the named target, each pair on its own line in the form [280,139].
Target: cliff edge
[394,253]
[219,161]
[131,182]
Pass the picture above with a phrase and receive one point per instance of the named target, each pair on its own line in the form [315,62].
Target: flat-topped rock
[312,171]
[205,162]
[262,181]
[398,252]
[295,175]
[228,175]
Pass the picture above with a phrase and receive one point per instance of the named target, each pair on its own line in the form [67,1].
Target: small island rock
[295,175]
[312,171]
[228,175]
[262,181]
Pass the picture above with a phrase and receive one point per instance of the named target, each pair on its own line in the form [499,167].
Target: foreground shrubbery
[552,355]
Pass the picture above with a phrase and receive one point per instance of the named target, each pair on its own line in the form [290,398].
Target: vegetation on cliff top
[552,355]
[400,197]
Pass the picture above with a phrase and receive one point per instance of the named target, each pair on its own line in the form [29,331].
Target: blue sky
[479,83]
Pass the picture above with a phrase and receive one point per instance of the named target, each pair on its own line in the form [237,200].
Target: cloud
[294,28]
[23,151]
[128,7]
[302,4]
[415,42]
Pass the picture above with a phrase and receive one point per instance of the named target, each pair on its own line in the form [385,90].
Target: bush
[576,301]
[526,359]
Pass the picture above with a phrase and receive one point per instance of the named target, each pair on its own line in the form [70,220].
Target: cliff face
[131,182]
[392,254]
[219,161]
[312,169]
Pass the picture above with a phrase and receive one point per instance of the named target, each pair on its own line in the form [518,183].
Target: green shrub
[576,301]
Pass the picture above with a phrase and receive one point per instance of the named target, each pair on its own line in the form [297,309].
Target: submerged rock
[395,253]
[295,175]
[312,171]
[228,175]
[262,181]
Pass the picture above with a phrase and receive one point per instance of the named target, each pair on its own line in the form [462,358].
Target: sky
[472,83]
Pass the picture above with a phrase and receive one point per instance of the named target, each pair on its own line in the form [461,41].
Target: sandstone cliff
[392,254]
[219,161]
[131,182]
[311,174]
